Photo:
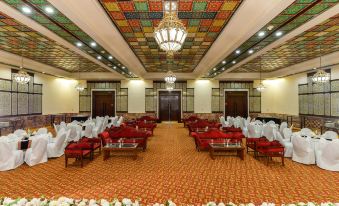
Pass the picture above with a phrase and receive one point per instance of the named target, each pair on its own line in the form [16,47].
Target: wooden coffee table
[219,149]
[120,147]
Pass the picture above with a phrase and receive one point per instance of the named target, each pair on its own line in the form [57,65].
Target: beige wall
[136,94]
[202,94]
[281,95]
[59,95]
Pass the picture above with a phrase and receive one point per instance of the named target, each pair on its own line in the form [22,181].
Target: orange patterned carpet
[171,168]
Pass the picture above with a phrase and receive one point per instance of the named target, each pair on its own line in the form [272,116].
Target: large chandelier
[22,77]
[79,87]
[170,77]
[261,87]
[321,76]
[169,86]
[171,32]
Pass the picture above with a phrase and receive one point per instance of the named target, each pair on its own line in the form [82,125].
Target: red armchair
[78,151]
[130,134]
[148,119]
[202,140]
[201,125]
[146,126]
[270,149]
[190,119]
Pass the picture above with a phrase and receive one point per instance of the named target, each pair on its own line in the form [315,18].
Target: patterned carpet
[171,168]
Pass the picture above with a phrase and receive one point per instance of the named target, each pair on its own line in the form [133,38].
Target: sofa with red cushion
[202,140]
[270,149]
[201,125]
[190,119]
[78,150]
[148,119]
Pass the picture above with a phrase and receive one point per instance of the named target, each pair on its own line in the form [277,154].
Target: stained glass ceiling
[136,20]
[46,15]
[317,41]
[297,14]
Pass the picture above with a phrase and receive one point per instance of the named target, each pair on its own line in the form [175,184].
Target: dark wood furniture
[120,147]
[218,149]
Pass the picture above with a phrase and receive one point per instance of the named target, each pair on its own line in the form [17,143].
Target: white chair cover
[223,122]
[42,131]
[306,132]
[288,146]
[63,125]
[37,153]
[271,122]
[268,132]
[88,131]
[327,154]
[287,134]
[303,150]
[20,132]
[254,131]
[57,148]
[330,135]
[73,135]
[283,125]
[10,159]
[56,128]
[258,122]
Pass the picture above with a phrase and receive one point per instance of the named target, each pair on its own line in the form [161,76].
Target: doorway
[170,106]
[103,103]
[236,103]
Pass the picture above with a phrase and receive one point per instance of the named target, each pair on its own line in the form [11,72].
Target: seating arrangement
[9,158]
[37,153]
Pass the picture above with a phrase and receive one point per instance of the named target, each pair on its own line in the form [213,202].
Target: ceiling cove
[48,16]
[295,15]
[203,19]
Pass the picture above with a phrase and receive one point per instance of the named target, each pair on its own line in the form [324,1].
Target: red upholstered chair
[189,120]
[148,119]
[77,151]
[270,149]
[94,142]
[147,126]
[202,140]
[138,136]
[105,137]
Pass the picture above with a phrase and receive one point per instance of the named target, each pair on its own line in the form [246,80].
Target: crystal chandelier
[171,32]
[170,77]
[169,86]
[22,77]
[261,87]
[79,87]
[321,76]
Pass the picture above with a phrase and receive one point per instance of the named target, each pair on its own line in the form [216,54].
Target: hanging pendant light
[79,87]
[261,87]
[321,76]
[170,77]
[171,32]
[22,77]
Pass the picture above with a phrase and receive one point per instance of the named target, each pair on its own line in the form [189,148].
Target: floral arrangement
[64,201]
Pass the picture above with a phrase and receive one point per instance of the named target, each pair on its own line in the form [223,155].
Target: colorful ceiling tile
[297,14]
[204,20]
[19,39]
[66,29]
[317,41]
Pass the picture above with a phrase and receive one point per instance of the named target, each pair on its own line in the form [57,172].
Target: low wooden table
[120,147]
[221,147]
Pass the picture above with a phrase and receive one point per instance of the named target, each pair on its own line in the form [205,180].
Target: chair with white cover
[63,125]
[57,148]
[330,135]
[120,121]
[306,132]
[88,131]
[254,131]
[258,122]
[97,128]
[223,122]
[20,132]
[283,125]
[10,159]
[37,153]
[56,128]
[287,134]
[271,122]
[327,154]
[42,131]
[303,150]
[288,146]
[269,132]
[73,135]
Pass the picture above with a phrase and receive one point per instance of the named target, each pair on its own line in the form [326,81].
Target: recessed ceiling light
[26,10]
[122,72]
[99,57]
[79,44]
[214,69]
[130,72]
[49,10]
[261,33]
[278,33]
[114,67]
[224,62]
[237,51]
[233,62]
[119,64]
[110,57]
[223,69]
[270,27]
[250,51]
[93,44]
[43,72]
[123,67]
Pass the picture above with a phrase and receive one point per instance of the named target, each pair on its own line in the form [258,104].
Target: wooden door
[236,103]
[103,103]
[170,106]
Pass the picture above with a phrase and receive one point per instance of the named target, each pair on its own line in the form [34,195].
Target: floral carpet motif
[171,168]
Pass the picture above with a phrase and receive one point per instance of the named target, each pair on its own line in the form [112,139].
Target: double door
[169,106]
[103,103]
[236,103]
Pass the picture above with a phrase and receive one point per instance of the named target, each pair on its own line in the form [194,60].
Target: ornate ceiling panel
[46,15]
[297,14]
[19,39]
[317,41]
[203,19]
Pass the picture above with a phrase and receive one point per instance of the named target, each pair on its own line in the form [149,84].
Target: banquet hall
[169,102]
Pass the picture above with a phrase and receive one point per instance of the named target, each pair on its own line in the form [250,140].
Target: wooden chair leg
[82,161]
[267,159]
[282,160]
[66,161]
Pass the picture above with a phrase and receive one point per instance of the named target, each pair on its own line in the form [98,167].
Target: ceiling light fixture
[169,86]
[93,44]
[233,62]
[49,10]
[261,33]
[237,51]
[321,76]
[26,10]
[170,77]
[79,87]
[223,62]
[99,57]
[278,33]
[261,87]
[171,32]
[214,69]
[250,51]
[79,44]
[110,57]
[22,77]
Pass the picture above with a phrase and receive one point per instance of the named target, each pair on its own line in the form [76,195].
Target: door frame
[175,90]
[238,90]
[104,90]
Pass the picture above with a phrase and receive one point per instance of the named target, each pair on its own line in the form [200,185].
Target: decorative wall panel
[121,96]
[319,99]
[18,99]
[218,96]
[151,96]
